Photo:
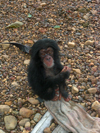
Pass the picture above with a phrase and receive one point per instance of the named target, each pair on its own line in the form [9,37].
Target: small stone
[71,44]
[39,7]
[75,90]
[89,97]
[80,98]
[23,121]
[89,42]
[69,85]
[47,130]
[4,108]
[10,122]
[33,101]
[69,28]
[26,112]
[21,128]
[94,69]
[92,90]
[94,80]
[52,126]
[20,102]
[83,104]
[94,12]
[1,131]
[30,41]
[5,56]
[26,62]
[78,34]
[8,103]
[26,131]
[5,46]
[43,4]
[82,10]
[89,0]
[81,21]
[80,80]
[86,17]
[93,114]
[96,105]
[91,64]
[85,24]
[50,20]
[27,124]
[78,71]
[37,117]
[14,84]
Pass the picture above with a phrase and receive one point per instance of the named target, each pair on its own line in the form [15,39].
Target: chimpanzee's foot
[56,97]
[67,99]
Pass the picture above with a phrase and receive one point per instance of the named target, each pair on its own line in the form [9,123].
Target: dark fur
[44,86]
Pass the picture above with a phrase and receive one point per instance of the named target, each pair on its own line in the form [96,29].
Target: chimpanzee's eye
[50,51]
[42,53]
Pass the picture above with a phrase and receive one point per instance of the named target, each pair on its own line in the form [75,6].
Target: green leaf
[57,27]
[15,25]
[29,16]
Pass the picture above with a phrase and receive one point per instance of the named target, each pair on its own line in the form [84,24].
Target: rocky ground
[75,25]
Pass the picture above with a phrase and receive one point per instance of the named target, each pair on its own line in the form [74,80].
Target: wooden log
[43,123]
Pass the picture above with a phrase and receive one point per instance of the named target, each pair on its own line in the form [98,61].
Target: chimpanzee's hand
[66,69]
[66,72]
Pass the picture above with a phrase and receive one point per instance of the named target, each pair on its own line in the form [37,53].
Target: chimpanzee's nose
[48,58]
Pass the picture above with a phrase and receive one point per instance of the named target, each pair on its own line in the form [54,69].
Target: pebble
[52,126]
[33,101]
[43,4]
[1,131]
[47,130]
[39,7]
[14,84]
[26,62]
[20,102]
[78,34]
[71,44]
[92,90]
[81,21]
[80,98]
[80,80]
[5,46]
[37,117]
[4,108]
[96,105]
[5,56]
[78,71]
[88,97]
[10,122]
[82,10]
[94,12]
[26,112]
[27,124]
[23,121]
[50,20]
[75,90]
[86,17]
[89,42]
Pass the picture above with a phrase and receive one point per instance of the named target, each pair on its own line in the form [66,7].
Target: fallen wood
[43,123]
[70,116]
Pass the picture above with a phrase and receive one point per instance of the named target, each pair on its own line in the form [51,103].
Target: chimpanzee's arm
[57,79]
